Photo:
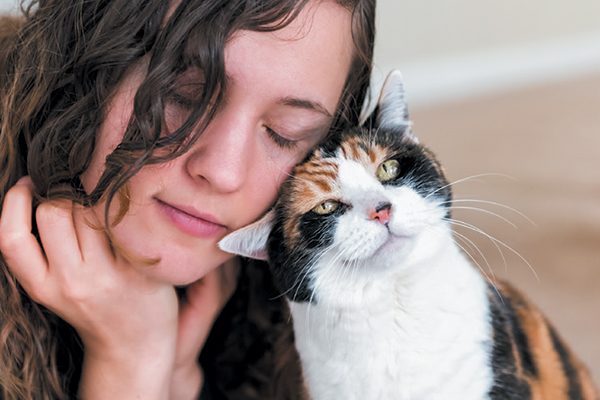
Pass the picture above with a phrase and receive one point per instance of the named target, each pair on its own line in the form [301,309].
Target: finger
[196,317]
[19,247]
[58,235]
[204,301]
[93,241]
[201,304]
[16,208]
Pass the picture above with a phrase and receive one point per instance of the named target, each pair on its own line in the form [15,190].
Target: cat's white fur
[404,322]
[398,311]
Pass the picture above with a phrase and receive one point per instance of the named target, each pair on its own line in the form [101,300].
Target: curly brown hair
[60,61]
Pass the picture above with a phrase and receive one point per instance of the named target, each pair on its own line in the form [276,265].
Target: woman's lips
[202,226]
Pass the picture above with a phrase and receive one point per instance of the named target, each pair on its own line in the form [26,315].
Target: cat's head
[363,204]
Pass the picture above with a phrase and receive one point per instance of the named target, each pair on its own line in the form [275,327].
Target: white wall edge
[469,75]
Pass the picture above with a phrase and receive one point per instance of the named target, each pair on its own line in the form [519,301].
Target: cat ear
[391,111]
[251,240]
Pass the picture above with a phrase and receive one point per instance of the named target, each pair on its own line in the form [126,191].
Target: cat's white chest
[431,347]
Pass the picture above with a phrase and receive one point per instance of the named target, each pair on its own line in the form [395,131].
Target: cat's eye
[326,208]
[388,170]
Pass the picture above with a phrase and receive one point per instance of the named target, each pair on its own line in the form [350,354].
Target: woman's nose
[223,153]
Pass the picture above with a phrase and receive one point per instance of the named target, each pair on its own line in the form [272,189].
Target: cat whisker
[335,274]
[338,279]
[297,286]
[338,275]
[494,203]
[504,262]
[467,179]
[483,210]
[496,240]
[307,272]
[310,300]
[325,270]
[299,283]
[473,245]
[485,275]
[465,239]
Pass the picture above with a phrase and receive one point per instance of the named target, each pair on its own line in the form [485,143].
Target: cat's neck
[440,287]
[415,324]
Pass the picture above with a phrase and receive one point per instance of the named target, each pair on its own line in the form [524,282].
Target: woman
[145,131]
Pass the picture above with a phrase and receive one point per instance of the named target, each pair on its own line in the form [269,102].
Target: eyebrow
[305,104]
[296,102]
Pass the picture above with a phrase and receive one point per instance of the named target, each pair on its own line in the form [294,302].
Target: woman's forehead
[311,55]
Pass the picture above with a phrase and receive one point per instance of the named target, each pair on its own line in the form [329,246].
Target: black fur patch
[507,384]
[570,371]
[317,230]
[521,341]
[289,267]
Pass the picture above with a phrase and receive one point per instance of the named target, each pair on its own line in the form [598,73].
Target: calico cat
[384,303]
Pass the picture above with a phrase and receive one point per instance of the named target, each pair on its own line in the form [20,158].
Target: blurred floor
[545,143]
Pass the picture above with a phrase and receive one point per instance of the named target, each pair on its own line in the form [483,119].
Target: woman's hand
[133,328]
[203,302]
[128,323]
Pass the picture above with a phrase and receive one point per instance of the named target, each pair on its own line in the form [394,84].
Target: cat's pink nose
[381,213]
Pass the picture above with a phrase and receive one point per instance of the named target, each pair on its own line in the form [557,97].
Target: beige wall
[456,49]
[413,30]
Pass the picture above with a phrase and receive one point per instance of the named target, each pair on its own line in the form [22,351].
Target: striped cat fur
[384,304]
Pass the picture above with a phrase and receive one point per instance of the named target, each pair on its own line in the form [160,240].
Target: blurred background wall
[508,93]
[451,48]
[449,27]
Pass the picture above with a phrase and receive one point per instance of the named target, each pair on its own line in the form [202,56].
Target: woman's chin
[178,270]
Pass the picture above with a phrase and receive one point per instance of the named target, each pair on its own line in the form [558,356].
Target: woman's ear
[251,240]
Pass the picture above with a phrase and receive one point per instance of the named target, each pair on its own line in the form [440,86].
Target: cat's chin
[394,249]
[391,247]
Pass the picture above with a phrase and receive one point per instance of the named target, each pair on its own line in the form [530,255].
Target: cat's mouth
[396,239]
[399,238]
[387,245]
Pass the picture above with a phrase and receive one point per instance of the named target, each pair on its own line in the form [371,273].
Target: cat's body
[384,304]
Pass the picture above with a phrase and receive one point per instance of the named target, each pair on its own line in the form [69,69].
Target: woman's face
[288,82]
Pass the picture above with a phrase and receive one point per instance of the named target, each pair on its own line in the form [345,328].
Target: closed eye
[181,101]
[279,140]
